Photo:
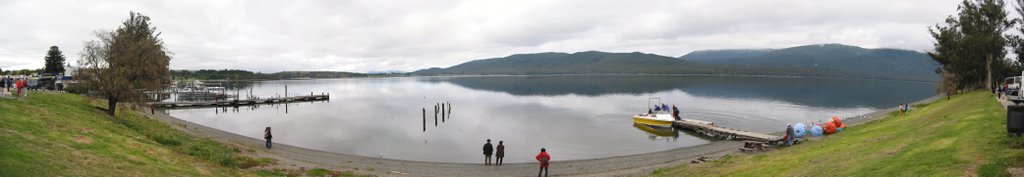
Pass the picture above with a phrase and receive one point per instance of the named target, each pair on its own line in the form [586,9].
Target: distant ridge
[591,62]
[827,60]
[895,63]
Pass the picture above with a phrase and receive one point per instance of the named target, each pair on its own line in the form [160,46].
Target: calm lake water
[574,117]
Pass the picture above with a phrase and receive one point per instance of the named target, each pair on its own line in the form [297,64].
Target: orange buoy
[830,128]
[839,123]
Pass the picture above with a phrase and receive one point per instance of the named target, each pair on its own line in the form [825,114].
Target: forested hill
[591,62]
[894,63]
[828,60]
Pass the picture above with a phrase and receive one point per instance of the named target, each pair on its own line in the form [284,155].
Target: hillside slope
[591,62]
[823,60]
[827,57]
[964,136]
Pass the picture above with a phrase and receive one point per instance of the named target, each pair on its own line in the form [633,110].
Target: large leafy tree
[1016,42]
[122,64]
[54,61]
[972,46]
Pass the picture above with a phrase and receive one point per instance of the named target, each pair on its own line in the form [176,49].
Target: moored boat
[659,115]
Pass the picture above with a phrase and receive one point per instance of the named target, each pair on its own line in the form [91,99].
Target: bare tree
[122,64]
[949,83]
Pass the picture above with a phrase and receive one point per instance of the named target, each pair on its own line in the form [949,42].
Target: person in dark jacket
[789,135]
[544,160]
[268,136]
[675,112]
[488,150]
[501,152]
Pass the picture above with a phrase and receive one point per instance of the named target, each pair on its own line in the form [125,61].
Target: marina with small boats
[197,94]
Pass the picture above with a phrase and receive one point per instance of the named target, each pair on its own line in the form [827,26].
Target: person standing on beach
[268,136]
[501,153]
[543,158]
[488,150]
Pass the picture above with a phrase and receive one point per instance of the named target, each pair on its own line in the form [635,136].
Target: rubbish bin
[1015,120]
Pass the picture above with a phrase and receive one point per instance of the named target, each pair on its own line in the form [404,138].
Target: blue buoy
[799,130]
[816,130]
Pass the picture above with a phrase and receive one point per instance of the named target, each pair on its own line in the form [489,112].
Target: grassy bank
[962,136]
[55,134]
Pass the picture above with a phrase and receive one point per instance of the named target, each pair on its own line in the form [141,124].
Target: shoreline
[624,165]
[578,75]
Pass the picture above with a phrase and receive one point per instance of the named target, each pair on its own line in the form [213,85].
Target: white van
[1013,85]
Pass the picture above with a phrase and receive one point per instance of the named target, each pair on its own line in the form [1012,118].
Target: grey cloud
[371,35]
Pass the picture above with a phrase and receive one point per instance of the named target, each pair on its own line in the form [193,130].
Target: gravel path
[629,165]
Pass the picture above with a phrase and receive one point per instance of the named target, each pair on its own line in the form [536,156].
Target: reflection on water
[655,133]
[819,92]
[574,117]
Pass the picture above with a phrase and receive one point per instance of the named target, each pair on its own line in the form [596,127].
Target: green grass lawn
[964,136]
[53,134]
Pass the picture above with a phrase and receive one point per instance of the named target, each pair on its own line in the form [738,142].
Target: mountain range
[820,60]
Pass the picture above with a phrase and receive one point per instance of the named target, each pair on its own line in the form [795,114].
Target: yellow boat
[660,120]
[659,116]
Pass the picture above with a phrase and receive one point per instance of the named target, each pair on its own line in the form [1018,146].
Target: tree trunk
[111,106]
[988,69]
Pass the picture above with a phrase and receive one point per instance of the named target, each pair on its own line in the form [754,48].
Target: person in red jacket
[544,158]
[18,84]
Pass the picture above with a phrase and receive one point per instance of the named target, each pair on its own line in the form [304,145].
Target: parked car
[43,82]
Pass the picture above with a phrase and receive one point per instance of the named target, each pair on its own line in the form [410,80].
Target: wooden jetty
[236,102]
[710,129]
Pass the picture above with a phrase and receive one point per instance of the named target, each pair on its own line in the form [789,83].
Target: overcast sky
[377,35]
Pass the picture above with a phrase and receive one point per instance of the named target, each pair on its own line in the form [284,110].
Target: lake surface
[574,117]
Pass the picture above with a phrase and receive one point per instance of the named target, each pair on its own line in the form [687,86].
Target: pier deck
[192,104]
[709,129]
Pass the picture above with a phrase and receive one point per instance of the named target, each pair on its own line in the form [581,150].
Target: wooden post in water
[424,119]
[442,112]
[435,115]
[285,99]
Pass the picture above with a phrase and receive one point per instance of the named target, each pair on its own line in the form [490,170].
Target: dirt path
[629,165]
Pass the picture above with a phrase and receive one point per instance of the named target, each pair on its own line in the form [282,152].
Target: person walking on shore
[268,136]
[501,153]
[543,158]
[488,150]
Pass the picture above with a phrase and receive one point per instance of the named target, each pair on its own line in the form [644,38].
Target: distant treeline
[21,72]
[249,75]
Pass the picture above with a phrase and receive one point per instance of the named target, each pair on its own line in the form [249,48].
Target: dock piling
[424,119]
